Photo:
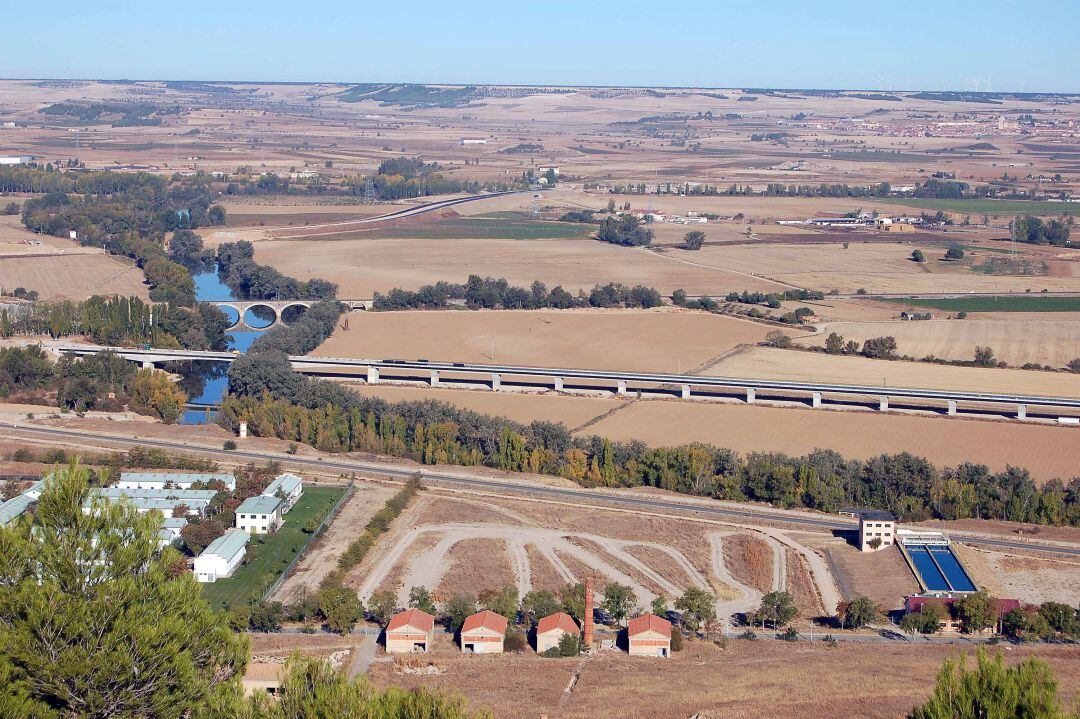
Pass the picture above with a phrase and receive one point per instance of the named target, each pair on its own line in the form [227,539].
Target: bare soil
[750,561]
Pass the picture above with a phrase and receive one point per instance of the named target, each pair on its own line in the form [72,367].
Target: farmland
[994,207]
[1015,303]
[272,553]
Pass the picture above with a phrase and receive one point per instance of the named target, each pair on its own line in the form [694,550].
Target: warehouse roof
[227,545]
[14,508]
[287,483]
[487,620]
[558,620]
[414,618]
[132,493]
[179,478]
[259,505]
[648,623]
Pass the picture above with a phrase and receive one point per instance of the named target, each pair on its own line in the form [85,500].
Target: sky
[891,45]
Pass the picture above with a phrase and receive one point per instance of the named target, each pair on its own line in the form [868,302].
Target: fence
[303,550]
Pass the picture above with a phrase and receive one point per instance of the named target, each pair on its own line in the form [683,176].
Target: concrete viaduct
[641,384]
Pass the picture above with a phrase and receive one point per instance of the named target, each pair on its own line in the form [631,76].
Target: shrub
[676,641]
[790,635]
[515,641]
[229,445]
[918,256]
[748,635]
[776,338]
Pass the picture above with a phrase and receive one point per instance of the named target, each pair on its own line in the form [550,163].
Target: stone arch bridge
[278,308]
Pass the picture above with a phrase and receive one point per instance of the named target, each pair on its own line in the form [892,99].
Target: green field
[493,226]
[1011,303]
[979,206]
[273,552]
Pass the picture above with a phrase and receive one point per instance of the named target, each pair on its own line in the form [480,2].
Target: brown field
[883,576]
[760,679]
[476,565]
[750,560]
[663,339]
[1041,339]
[73,277]
[770,363]
[364,267]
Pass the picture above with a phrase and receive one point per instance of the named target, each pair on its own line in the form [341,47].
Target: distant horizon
[955,47]
[583,86]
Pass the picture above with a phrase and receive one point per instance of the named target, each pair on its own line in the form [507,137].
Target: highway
[494,485]
[686,383]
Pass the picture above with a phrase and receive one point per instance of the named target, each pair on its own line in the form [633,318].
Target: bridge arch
[292,312]
[261,315]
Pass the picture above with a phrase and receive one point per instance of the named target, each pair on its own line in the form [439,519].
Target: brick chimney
[588,619]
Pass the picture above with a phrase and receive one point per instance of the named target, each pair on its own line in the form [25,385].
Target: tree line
[101,381]
[129,215]
[250,280]
[497,293]
[120,321]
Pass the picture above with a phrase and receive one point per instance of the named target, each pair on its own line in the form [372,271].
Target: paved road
[495,485]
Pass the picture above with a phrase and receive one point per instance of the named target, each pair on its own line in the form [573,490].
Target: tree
[540,603]
[918,256]
[991,690]
[569,645]
[185,247]
[955,252]
[572,597]
[978,611]
[693,240]
[311,526]
[312,689]
[925,621]
[659,606]
[776,607]
[95,621]
[1074,365]
[458,609]
[198,535]
[341,608]
[420,598]
[860,612]
[381,606]
[266,617]
[697,606]
[152,391]
[503,602]
[618,600]
[776,338]
[880,347]
[834,344]
[984,357]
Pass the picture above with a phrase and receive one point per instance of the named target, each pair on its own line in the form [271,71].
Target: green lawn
[978,206]
[493,226]
[274,552]
[1017,303]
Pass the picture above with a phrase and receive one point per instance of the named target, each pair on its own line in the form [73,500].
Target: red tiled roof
[648,622]
[486,619]
[412,618]
[558,620]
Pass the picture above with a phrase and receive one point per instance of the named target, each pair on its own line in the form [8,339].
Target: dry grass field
[1041,338]
[770,363]
[663,339]
[72,276]
[773,680]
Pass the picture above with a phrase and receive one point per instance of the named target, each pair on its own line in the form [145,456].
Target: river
[206,382]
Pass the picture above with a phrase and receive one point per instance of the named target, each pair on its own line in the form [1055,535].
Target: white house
[288,487]
[169,534]
[180,480]
[259,515]
[222,557]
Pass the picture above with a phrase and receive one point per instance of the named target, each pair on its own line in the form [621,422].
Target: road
[516,488]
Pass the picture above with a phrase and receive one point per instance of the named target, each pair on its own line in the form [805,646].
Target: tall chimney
[588,619]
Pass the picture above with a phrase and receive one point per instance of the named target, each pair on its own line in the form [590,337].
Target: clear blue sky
[917,44]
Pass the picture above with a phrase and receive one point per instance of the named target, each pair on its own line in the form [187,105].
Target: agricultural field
[1016,303]
[1043,339]
[663,339]
[990,207]
[73,276]
[273,552]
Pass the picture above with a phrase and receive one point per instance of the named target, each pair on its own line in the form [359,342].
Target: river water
[206,382]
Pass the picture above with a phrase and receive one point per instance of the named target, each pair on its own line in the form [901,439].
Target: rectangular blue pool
[939,568]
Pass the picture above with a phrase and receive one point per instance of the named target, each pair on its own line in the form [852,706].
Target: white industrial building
[288,487]
[259,515]
[169,534]
[178,480]
[222,557]
[164,500]
[17,160]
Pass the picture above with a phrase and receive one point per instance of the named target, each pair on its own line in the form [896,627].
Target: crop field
[1040,339]
[494,226]
[663,339]
[273,552]
[363,267]
[1015,303]
[73,276]
[805,366]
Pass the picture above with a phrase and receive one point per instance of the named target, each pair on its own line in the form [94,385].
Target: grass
[978,206]
[1018,303]
[273,552]
[494,226]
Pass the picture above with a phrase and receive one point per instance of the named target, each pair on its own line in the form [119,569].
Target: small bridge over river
[277,308]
